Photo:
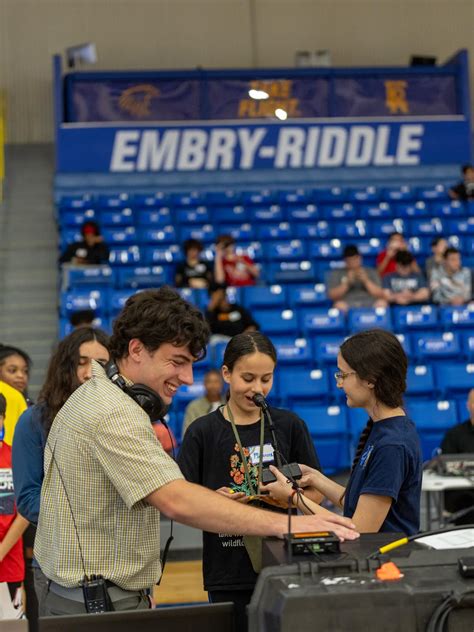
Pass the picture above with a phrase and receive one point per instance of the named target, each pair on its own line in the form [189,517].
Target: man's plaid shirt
[109,460]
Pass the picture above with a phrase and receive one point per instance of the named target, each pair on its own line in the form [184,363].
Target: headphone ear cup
[149,400]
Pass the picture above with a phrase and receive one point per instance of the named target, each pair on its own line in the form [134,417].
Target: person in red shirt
[231,268]
[385,261]
[12,525]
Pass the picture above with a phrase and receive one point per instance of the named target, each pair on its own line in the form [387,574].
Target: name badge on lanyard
[254,454]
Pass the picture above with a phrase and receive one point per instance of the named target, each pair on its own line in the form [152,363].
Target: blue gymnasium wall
[372,125]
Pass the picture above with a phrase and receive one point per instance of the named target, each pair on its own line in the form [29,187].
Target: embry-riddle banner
[240,147]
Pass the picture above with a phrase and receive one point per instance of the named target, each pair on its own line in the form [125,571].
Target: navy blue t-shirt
[391,465]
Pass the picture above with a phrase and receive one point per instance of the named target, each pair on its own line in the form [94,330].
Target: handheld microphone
[291,470]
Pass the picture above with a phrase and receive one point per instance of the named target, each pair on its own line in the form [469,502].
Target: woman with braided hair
[384,488]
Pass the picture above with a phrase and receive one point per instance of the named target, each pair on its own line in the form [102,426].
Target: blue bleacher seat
[329,431]
[167,254]
[283,230]
[314,230]
[433,227]
[454,317]
[190,198]
[69,236]
[122,217]
[276,321]
[432,419]
[251,248]
[322,320]
[76,300]
[421,381]
[362,318]
[454,378]
[334,212]
[408,317]
[329,194]
[255,296]
[436,345]
[240,232]
[273,213]
[410,209]
[346,231]
[91,276]
[154,199]
[384,228]
[398,193]
[308,295]
[126,236]
[117,300]
[291,350]
[453,208]
[75,201]
[186,393]
[125,255]
[363,194]
[419,246]
[144,276]
[262,197]
[467,340]
[294,196]
[381,210]
[434,192]
[460,226]
[326,349]
[205,233]
[369,248]
[154,217]
[65,327]
[298,384]
[113,200]
[306,213]
[326,249]
[196,216]
[230,215]
[158,235]
[405,341]
[290,272]
[289,250]
[75,218]
[227,197]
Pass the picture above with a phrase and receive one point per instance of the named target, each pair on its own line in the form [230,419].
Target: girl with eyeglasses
[384,488]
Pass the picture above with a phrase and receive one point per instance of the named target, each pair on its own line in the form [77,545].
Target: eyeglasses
[341,376]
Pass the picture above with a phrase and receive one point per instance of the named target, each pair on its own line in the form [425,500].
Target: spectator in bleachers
[90,251]
[82,318]
[385,261]
[12,525]
[225,318]
[438,248]
[405,287]
[15,367]
[355,285]
[192,272]
[460,440]
[213,398]
[464,190]
[451,283]
[231,268]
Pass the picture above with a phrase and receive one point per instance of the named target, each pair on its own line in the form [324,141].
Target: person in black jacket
[464,190]
[226,318]
[225,450]
[90,251]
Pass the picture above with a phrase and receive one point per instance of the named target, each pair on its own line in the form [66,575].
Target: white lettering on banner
[249,143]
[154,155]
[123,148]
[220,154]
[291,147]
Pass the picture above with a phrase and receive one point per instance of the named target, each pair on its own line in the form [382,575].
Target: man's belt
[75,594]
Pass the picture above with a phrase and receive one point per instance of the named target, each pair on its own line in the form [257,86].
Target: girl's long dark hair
[378,357]
[61,378]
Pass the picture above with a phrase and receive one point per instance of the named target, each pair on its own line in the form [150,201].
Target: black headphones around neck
[144,396]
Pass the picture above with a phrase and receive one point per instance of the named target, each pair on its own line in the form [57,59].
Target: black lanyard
[244,458]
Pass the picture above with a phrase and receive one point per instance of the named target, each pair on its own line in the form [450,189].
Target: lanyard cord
[244,458]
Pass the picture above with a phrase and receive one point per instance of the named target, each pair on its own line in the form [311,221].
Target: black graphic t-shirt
[210,456]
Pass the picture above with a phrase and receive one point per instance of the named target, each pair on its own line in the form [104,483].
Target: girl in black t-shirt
[222,451]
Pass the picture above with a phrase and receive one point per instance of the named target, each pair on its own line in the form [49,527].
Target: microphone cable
[170,539]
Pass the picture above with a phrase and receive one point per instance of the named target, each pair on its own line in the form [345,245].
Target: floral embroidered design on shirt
[237,472]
